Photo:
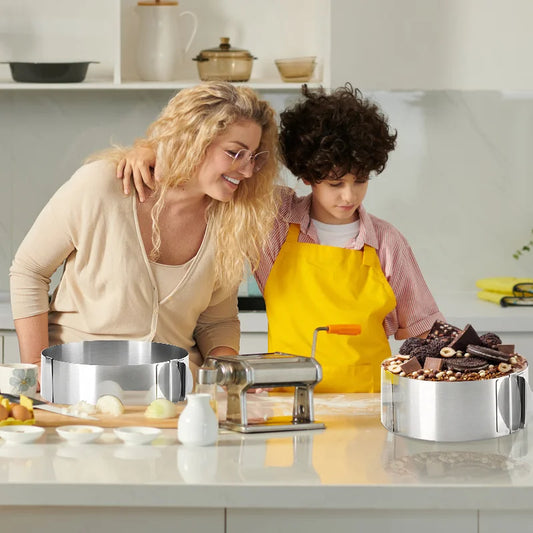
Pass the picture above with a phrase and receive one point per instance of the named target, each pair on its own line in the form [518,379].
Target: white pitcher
[198,424]
[159,50]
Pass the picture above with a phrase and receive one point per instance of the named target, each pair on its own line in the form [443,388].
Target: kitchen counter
[513,324]
[459,308]
[352,472]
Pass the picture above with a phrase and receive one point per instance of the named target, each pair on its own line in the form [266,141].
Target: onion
[109,405]
[161,408]
[82,409]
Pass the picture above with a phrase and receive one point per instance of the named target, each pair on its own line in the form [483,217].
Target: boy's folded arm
[416,309]
[138,166]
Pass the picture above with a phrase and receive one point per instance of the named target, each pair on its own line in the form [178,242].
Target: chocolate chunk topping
[465,364]
[410,344]
[433,363]
[422,352]
[432,348]
[436,345]
[506,348]
[411,365]
[490,340]
[442,329]
[466,337]
[488,354]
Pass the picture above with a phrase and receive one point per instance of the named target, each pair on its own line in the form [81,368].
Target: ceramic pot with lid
[224,63]
[159,47]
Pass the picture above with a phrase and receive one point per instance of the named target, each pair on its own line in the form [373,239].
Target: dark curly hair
[327,136]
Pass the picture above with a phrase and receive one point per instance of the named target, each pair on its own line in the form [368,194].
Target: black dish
[49,72]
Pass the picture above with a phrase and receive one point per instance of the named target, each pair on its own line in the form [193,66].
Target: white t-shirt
[336,234]
[167,277]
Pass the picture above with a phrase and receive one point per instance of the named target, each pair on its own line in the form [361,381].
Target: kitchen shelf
[90,85]
[107,32]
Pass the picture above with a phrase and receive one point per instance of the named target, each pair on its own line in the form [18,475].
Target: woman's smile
[233,181]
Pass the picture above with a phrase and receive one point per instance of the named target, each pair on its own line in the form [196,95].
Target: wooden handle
[344,329]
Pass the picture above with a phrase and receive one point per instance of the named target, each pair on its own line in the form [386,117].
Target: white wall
[458,185]
[432,44]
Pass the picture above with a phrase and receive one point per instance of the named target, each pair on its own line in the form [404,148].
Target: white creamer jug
[159,50]
[198,424]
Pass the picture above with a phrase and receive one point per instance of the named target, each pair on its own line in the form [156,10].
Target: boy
[327,260]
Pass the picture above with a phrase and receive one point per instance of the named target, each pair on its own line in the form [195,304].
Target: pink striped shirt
[416,309]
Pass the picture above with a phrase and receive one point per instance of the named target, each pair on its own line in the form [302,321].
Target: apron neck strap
[294,232]
[370,257]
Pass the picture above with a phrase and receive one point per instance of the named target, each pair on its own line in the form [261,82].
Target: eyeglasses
[244,157]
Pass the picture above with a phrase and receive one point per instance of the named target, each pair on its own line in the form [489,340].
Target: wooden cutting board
[132,416]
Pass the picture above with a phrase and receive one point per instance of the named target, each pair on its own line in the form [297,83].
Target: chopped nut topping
[447,352]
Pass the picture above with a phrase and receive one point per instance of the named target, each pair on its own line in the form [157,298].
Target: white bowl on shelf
[20,434]
[79,434]
[137,434]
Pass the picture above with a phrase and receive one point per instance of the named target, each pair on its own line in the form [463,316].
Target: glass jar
[207,384]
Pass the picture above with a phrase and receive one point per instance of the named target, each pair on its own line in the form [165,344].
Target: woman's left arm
[218,328]
[223,350]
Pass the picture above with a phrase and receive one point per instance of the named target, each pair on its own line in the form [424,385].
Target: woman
[166,269]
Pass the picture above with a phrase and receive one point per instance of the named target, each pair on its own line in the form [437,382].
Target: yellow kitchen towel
[490,296]
[506,285]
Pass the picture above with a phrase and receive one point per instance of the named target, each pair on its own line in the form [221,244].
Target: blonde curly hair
[180,136]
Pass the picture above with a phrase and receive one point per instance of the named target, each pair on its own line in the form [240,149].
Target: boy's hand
[137,165]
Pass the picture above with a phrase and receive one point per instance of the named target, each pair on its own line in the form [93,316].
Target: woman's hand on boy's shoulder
[137,166]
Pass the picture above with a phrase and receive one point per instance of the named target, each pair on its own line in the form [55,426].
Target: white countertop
[353,464]
[6,320]
[459,308]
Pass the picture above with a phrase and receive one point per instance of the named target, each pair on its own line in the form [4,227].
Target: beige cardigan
[107,290]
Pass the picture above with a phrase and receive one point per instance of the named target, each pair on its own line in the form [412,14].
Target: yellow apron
[313,285]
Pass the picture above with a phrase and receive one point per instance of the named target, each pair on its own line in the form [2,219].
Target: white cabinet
[107,31]
[341,520]
[254,328]
[52,519]
[10,347]
[254,342]
[498,521]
